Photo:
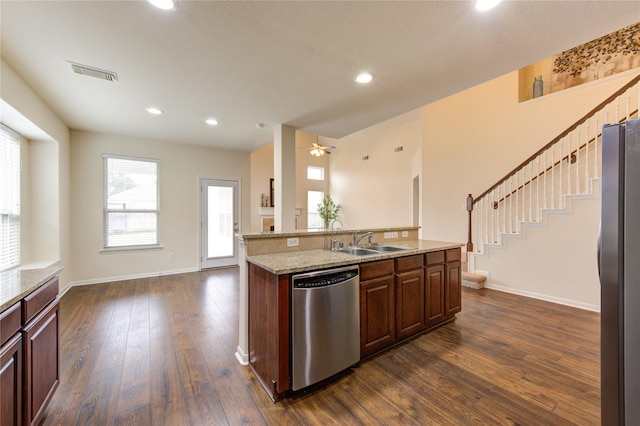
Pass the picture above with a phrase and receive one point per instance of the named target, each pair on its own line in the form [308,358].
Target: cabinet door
[11,382]
[376,314]
[434,294]
[41,362]
[409,303]
[453,289]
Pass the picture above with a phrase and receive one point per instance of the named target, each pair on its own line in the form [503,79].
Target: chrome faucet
[357,239]
[333,241]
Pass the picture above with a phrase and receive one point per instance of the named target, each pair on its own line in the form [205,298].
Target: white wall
[377,192]
[181,168]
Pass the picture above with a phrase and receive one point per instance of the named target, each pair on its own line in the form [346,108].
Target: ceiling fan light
[163,4]
[482,5]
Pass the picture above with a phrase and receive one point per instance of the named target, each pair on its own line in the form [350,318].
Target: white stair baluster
[544,181]
[531,191]
[587,186]
[569,167]
[561,192]
[596,172]
[504,209]
[517,202]
[511,204]
[553,176]
[577,167]
[628,115]
[538,189]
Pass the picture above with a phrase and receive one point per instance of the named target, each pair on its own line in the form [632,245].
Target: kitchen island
[402,294]
[29,347]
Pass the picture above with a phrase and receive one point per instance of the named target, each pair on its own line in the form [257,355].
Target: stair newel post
[469,210]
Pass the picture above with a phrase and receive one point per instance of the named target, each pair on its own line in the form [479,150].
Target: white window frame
[311,170]
[110,210]
[312,212]
[10,165]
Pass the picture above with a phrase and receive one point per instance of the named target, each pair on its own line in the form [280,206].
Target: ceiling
[277,62]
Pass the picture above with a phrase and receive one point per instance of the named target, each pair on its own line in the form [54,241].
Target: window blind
[131,208]
[9,198]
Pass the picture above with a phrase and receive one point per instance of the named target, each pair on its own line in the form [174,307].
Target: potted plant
[328,210]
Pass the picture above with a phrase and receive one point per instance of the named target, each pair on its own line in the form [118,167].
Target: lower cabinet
[42,372]
[453,290]
[409,295]
[377,306]
[434,295]
[29,356]
[11,381]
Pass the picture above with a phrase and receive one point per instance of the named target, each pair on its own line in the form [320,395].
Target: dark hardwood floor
[160,351]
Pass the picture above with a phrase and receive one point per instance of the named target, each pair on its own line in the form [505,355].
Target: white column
[284,167]
[242,352]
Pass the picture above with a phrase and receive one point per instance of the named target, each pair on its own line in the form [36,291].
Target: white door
[219,202]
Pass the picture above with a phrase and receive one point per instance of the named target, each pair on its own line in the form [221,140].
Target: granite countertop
[16,284]
[308,260]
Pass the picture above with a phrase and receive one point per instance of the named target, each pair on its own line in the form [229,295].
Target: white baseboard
[243,358]
[544,297]
[129,277]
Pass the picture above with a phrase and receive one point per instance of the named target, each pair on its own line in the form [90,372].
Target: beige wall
[181,168]
[45,193]
[262,171]
[377,192]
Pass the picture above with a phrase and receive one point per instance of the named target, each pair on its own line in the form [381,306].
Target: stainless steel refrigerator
[619,266]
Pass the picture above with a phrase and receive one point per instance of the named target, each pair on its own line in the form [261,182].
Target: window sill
[109,250]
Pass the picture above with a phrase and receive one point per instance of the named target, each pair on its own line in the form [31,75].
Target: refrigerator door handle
[598,248]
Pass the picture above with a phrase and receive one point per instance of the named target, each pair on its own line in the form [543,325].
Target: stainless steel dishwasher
[325,324]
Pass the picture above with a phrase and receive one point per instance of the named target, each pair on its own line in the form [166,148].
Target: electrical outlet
[393,234]
[292,242]
[405,234]
[172,256]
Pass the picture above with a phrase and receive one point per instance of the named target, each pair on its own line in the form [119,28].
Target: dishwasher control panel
[324,279]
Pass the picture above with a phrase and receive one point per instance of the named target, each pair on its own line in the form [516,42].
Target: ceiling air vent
[93,72]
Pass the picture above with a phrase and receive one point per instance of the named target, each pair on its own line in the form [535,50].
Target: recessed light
[483,5]
[364,77]
[163,4]
[211,121]
[155,111]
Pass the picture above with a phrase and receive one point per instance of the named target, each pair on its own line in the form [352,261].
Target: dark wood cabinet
[269,329]
[29,356]
[377,306]
[434,295]
[41,372]
[409,295]
[453,289]
[11,381]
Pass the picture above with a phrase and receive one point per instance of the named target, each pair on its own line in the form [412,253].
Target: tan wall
[262,171]
[377,192]
[181,168]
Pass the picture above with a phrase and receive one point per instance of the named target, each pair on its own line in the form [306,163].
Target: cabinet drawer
[36,301]
[435,257]
[409,263]
[10,322]
[453,255]
[371,270]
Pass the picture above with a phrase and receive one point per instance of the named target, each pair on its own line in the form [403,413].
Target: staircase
[547,183]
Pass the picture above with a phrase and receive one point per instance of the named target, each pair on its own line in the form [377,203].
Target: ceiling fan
[317,149]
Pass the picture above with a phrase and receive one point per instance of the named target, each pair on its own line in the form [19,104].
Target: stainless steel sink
[358,251]
[372,249]
[386,248]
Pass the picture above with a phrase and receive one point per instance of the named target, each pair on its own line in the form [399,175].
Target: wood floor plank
[160,351]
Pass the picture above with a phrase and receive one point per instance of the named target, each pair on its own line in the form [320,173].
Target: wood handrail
[569,129]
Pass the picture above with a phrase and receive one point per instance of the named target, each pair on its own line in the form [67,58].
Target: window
[313,218]
[315,173]
[9,199]
[131,207]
